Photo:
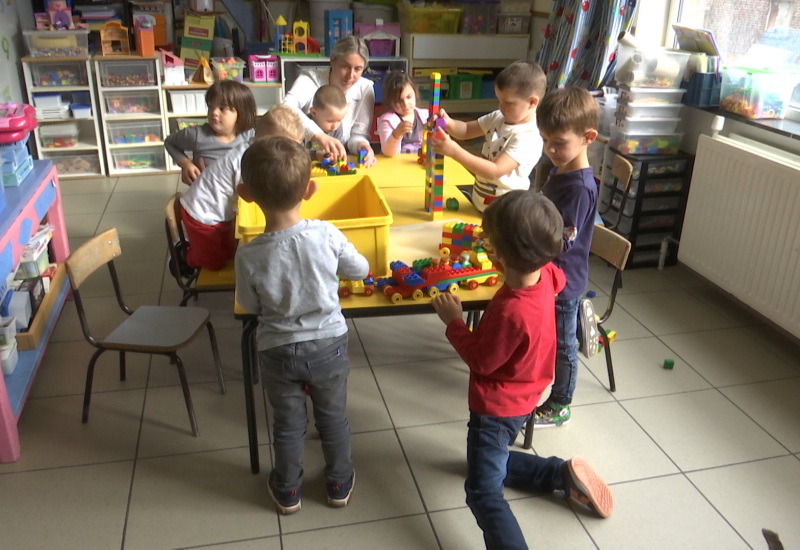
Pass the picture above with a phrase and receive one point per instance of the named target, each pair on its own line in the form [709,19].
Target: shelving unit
[132,108]
[466,51]
[37,199]
[655,205]
[70,80]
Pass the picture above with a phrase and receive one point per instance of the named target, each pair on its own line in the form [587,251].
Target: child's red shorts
[210,246]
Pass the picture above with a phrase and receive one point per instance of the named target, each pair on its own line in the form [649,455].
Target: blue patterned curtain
[580,41]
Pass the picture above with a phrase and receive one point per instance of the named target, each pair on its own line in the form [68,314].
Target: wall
[11,49]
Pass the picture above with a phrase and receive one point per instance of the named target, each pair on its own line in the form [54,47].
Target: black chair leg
[186,395]
[612,384]
[87,394]
[122,366]
[215,350]
[528,443]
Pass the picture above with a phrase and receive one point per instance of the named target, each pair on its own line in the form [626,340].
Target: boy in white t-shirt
[513,145]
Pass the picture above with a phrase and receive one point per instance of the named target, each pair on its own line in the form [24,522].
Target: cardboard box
[198,26]
[30,338]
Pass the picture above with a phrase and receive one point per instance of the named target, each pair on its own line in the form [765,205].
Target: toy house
[263,68]
[114,39]
[383,39]
[173,69]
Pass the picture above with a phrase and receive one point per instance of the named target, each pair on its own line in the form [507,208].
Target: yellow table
[412,235]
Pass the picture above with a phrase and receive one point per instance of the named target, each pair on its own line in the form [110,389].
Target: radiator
[741,229]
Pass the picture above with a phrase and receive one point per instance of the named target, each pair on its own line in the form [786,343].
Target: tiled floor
[702,456]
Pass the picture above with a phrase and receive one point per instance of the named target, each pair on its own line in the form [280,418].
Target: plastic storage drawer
[479,16]
[64,43]
[120,133]
[70,165]
[59,135]
[649,110]
[636,125]
[650,204]
[645,144]
[189,102]
[63,73]
[650,95]
[139,159]
[127,73]
[132,103]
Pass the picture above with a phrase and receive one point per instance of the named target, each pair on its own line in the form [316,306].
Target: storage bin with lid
[63,43]
[644,144]
[650,68]
[121,133]
[59,135]
[478,16]
[228,68]
[80,111]
[50,100]
[756,93]
[434,19]
[127,73]
[650,95]
[649,110]
[638,125]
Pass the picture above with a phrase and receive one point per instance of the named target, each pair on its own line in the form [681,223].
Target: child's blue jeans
[566,371]
[491,466]
[322,365]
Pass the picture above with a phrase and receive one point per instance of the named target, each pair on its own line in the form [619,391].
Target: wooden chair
[148,329]
[202,280]
[614,249]
[622,170]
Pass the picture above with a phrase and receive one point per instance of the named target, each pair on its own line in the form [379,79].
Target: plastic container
[479,16]
[59,135]
[657,221]
[48,101]
[755,93]
[650,68]
[64,73]
[138,159]
[608,107]
[354,204]
[189,102]
[650,204]
[513,23]
[80,111]
[9,357]
[65,43]
[429,19]
[521,7]
[73,165]
[649,110]
[18,175]
[134,132]
[369,13]
[12,157]
[47,113]
[702,90]
[228,68]
[127,73]
[127,103]
[664,167]
[650,95]
[644,144]
[635,125]
[464,86]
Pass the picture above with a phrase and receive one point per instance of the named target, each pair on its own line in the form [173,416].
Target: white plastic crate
[649,110]
[650,95]
[636,125]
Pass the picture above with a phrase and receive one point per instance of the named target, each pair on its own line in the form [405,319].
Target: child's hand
[447,120]
[331,145]
[189,171]
[369,159]
[448,307]
[402,129]
[443,144]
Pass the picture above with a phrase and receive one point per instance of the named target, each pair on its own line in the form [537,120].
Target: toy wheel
[368,291]
[433,292]
[491,281]
[472,285]
[397,298]
[388,290]
[417,294]
[452,288]
[344,292]
[444,252]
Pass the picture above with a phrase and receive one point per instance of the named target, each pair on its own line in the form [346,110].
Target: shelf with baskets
[477,53]
[68,131]
[132,110]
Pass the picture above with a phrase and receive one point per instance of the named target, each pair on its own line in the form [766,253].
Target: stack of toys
[16,122]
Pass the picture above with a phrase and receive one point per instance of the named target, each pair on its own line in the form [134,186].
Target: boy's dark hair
[275,172]
[523,78]
[525,228]
[569,108]
[329,96]
[393,85]
[237,96]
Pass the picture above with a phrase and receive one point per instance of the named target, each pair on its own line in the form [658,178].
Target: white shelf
[116,146]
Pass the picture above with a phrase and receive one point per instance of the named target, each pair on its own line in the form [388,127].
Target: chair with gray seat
[159,330]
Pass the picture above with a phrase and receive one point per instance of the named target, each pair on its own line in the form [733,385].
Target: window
[750,33]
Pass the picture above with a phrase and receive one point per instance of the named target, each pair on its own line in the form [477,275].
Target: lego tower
[434,162]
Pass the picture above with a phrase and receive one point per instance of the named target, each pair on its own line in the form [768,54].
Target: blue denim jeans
[491,466]
[566,371]
[322,365]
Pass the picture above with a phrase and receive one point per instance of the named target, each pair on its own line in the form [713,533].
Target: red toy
[16,120]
